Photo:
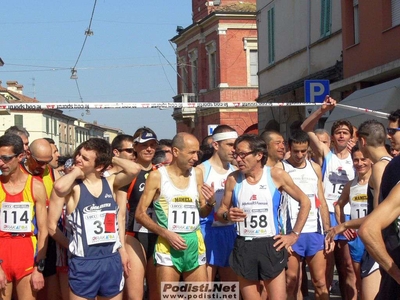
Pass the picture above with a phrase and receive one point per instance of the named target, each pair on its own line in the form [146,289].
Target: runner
[252,198]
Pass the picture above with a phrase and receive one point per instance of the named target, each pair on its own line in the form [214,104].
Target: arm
[343,200]
[319,148]
[3,279]
[285,183]
[371,231]
[375,180]
[55,210]
[323,209]
[205,191]
[234,214]
[129,170]
[121,198]
[151,191]
[40,196]
[64,185]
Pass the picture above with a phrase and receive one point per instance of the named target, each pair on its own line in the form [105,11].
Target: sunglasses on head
[7,158]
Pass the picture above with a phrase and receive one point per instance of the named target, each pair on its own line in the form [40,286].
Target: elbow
[51,230]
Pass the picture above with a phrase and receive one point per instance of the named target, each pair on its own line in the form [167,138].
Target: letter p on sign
[315,92]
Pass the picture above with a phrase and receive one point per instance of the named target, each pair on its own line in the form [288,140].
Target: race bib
[100,227]
[137,227]
[16,217]
[255,224]
[183,217]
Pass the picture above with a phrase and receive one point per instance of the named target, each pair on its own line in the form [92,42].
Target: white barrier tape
[39,106]
[367,111]
[166,105]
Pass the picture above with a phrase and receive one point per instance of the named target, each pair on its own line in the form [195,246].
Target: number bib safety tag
[255,224]
[183,217]
[16,217]
[137,227]
[98,227]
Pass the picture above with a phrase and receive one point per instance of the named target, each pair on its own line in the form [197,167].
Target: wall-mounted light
[1,62]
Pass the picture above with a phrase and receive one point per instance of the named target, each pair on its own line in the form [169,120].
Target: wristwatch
[211,204]
[40,265]
[225,216]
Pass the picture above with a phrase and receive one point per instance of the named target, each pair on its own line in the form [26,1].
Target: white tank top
[211,176]
[262,204]
[358,199]
[178,209]
[337,172]
[307,180]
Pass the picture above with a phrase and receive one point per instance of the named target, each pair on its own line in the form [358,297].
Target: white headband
[224,136]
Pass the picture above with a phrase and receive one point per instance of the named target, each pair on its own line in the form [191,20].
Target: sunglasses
[7,158]
[41,162]
[127,150]
[242,155]
[392,131]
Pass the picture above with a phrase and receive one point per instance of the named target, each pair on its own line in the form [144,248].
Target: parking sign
[315,91]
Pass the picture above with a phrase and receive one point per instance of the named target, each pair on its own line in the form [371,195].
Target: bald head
[41,148]
[182,139]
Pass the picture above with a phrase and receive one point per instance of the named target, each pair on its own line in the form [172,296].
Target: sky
[41,42]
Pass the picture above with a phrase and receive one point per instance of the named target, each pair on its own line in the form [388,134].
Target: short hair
[223,128]
[321,131]
[354,150]
[395,117]
[51,141]
[266,135]
[165,142]
[14,141]
[340,123]
[299,137]
[204,142]
[18,130]
[102,149]
[373,131]
[159,157]
[256,144]
[117,141]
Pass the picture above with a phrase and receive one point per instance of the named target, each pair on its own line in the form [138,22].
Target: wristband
[210,204]
[296,233]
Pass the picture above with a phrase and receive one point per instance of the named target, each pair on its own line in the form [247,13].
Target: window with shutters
[211,49]
[395,12]
[356,22]
[326,16]
[19,120]
[271,35]
[193,58]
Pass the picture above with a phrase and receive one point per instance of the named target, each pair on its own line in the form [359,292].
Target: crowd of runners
[117,221]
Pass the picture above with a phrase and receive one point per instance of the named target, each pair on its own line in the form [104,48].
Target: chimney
[12,85]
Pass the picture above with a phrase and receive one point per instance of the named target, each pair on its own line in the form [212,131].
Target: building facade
[217,62]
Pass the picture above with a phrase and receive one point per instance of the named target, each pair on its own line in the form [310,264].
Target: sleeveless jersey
[370,192]
[358,199]
[93,223]
[178,209]
[336,174]
[307,180]
[262,204]
[48,180]
[211,176]
[17,211]
[134,194]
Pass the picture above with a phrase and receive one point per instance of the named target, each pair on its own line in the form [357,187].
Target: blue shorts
[340,237]
[309,244]
[96,276]
[219,244]
[356,247]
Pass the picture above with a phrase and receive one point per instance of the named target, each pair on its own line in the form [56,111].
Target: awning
[384,97]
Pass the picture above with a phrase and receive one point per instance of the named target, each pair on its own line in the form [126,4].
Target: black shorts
[148,241]
[257,259]
[368,265]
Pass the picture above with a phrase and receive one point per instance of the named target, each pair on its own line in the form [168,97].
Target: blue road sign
[315,90]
